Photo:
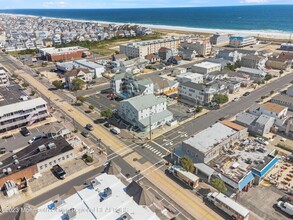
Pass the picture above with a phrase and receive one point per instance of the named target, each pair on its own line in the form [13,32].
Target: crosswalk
[154,150]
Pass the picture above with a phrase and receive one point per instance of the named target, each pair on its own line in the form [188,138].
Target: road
[143,157]
[181,196]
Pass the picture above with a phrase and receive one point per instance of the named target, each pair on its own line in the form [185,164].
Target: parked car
[50,135]
[35,138]
[24,131]
[287,198]
[246,94]
[222,119]
[107,125]
[261,150]
[59,172]
[286,207]
[2,150]
[190,110]
[89,127]
[235,99]
[85,133]
[115,130]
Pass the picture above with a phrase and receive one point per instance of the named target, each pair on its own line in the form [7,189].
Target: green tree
[220,98]
[237,64]
[219,185]
[199,108]
[107,113]
[91,107]
[77,84]
[187,164]
[272,92]
[25,84]
[82,99]
[281,72]
[268,77]
[57,83]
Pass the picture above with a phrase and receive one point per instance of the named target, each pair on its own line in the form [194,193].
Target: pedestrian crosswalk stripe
[163,156]
[160,154]
[155,151]
[148,146]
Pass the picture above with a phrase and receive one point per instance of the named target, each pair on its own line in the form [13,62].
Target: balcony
[20,114]
[27,120]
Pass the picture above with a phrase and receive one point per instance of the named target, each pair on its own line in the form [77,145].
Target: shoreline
[264,34]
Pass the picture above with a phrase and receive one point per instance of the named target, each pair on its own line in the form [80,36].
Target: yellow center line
[186,199]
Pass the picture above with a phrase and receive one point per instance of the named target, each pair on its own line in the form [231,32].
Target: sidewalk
[24,197]
[182,197]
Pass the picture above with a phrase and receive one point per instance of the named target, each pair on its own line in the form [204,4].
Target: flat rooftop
[53,50]
[91,203]
[207,65]
[11,94]
[208,138]
[32,155]
[235,165]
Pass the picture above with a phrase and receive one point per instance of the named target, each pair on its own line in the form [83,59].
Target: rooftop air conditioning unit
[51,145]
[42,148]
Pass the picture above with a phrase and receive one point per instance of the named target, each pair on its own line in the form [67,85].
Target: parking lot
[48,177]
[179,111]
[17,140]
[101,102]
[262,200]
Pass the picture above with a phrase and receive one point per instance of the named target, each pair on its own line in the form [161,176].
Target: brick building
[65,53]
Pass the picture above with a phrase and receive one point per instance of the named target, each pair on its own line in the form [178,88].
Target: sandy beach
[261,34]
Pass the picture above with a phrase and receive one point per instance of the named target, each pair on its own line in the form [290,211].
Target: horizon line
[211,6]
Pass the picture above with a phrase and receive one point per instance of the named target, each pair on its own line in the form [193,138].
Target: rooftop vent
[58,202]
[95,183]
[9,170]
[16,162]
[71,213]
[4,171]
[126,216]
[14,157]
[51,145]
[107,192]
[42,148]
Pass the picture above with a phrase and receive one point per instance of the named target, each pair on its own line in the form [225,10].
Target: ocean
[271,18]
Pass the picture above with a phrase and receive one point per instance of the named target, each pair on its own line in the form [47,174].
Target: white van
[286,207]
[115,130]
[23,98]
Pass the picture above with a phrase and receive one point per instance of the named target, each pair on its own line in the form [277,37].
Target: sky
[63,4]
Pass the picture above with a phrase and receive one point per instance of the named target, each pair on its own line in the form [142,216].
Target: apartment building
[4,79]
[203,48]
[65,53]
[126,85]
[145,111]
[195,93]
[22,113]
[241,41]
[231,55]
[220,39]
[254,61]
[143,48]
[206,67]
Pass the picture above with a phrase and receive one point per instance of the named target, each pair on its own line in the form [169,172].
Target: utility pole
[150,124]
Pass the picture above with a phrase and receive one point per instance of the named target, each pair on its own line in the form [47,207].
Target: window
[67,156]
[63,158]
[46,166]
[41,167]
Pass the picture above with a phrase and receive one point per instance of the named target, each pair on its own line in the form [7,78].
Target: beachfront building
[206,67]
[143,48]
[287,46]
[241,41]
[276,62]
[22,113]
[4,79]
[65,53]
[220,39]
[202,48]
[145,111]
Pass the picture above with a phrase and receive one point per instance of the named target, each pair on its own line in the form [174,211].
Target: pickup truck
[59,171]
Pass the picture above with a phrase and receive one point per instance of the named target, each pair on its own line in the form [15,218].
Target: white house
[4,79]
[190,77]
[83,74]
[206,67]
[95,68]
[145,111]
